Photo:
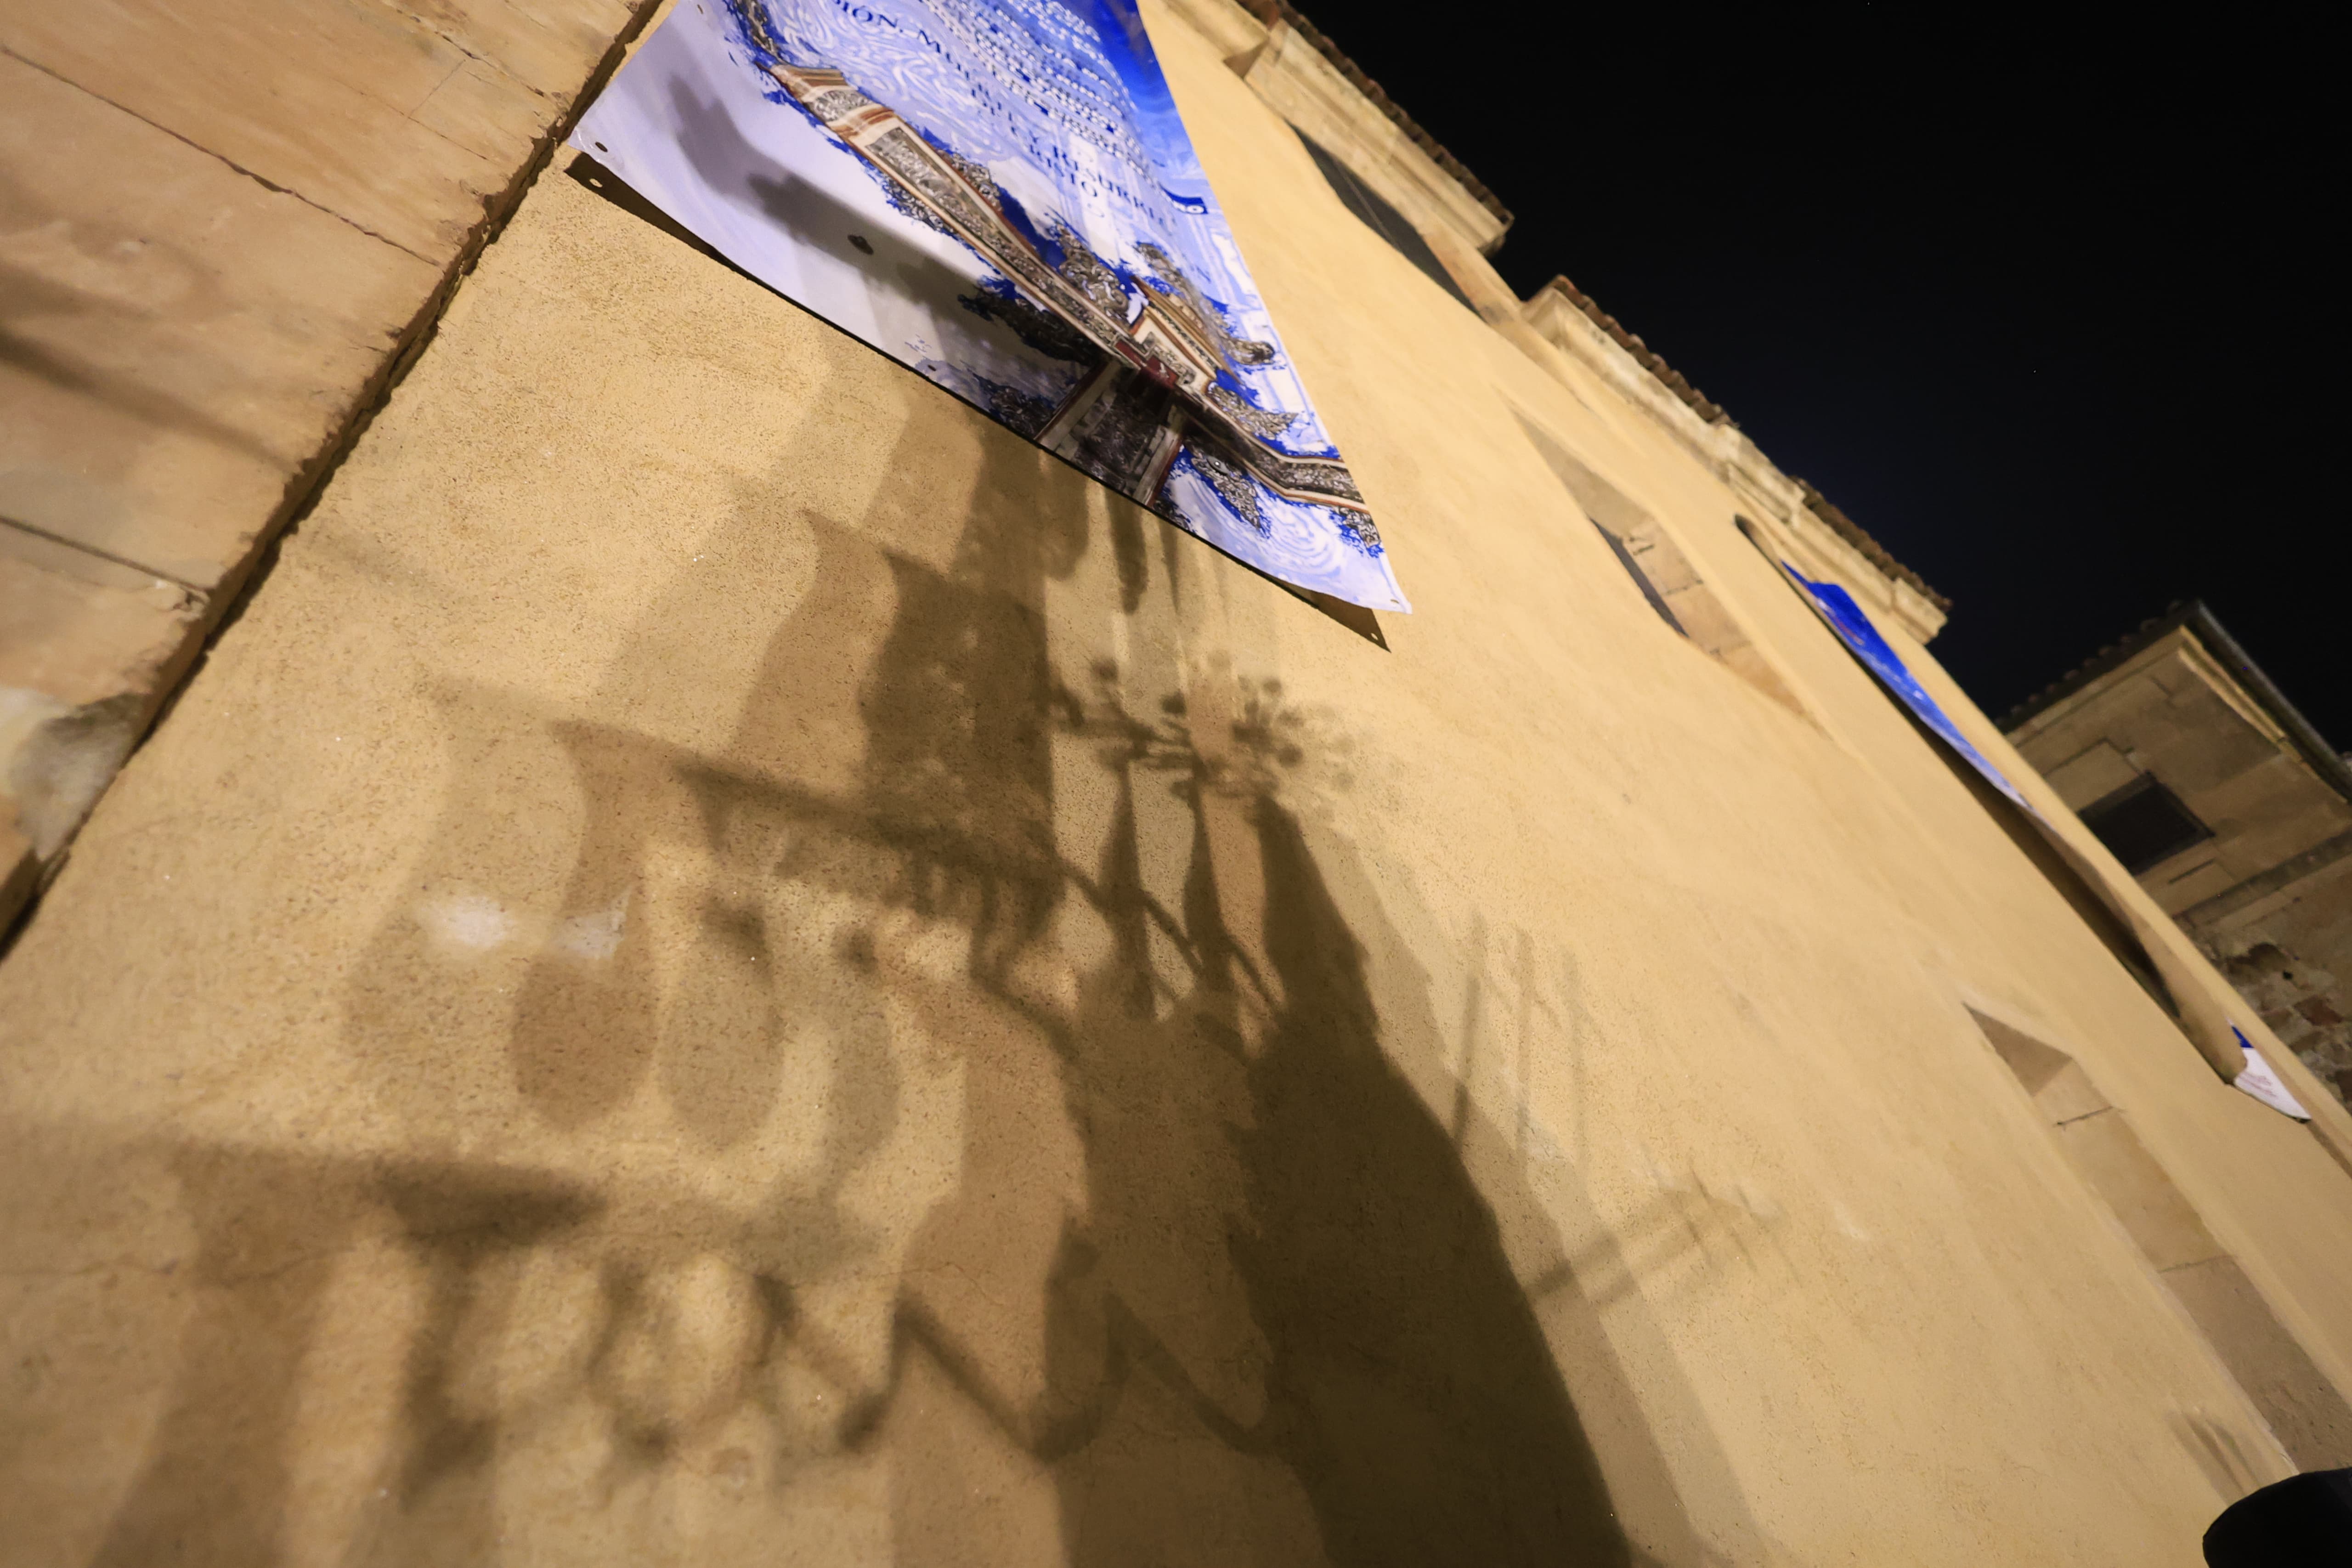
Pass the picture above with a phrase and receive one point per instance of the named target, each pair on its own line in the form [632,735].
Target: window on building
[1382,219]
[2304,1410]
[1642,578]
[1659,569]
[2143,824]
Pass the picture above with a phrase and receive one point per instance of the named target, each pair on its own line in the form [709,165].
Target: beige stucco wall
[729,964]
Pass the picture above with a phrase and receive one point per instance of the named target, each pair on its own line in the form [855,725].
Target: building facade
[727,960]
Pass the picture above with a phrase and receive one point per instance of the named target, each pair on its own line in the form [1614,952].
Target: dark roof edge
[2112,657]
[2328,763]
[1273,11]
[1706,408]
[1845,528]
[1675,382]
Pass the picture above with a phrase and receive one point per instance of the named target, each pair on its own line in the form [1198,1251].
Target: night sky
[2044,313]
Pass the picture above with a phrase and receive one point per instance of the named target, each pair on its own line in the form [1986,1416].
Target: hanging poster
[1853,629]
[999,193]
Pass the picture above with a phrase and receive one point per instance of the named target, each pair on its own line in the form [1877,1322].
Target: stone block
[87,650]
[2109,1152]
[218,224]
[177,342]
[344,103]
[316,99]
[478,108]
[547,46]
[2304,1408]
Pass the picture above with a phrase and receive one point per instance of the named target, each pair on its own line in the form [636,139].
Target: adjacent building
[2235,815]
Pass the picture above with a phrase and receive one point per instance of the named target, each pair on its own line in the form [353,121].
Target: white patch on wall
[468,922]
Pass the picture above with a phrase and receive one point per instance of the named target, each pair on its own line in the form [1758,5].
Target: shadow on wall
[964,1074]
[91,279]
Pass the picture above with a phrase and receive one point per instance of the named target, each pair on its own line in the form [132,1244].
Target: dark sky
[2053,315]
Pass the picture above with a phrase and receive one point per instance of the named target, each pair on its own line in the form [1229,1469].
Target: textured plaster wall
[729,965]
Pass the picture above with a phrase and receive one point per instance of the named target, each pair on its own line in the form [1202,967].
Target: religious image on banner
[999,193]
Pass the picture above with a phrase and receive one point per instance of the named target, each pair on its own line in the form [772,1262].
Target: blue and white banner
[1000,195]
[1854,629]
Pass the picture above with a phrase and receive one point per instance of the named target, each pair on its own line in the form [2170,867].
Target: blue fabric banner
[1853,629]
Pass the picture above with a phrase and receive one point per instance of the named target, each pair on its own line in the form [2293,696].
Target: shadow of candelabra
[957,1065]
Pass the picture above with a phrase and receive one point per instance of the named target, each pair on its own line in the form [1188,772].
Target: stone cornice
[1561,316]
